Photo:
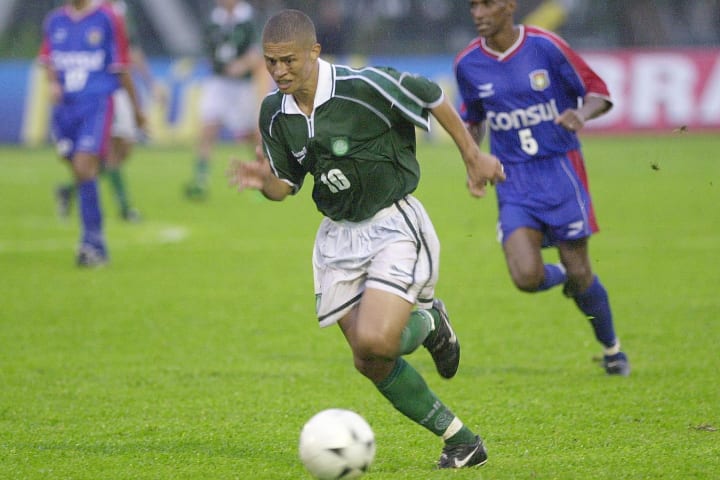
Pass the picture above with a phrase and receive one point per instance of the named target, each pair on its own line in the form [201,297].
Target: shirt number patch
[335,180]
[527,141]
[75,80]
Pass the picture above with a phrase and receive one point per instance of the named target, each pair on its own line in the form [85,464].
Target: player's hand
[483,168]
[160,94]
[571,120]
[141,120]
[249,175]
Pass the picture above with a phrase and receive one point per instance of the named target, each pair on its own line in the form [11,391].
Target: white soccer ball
[337,444]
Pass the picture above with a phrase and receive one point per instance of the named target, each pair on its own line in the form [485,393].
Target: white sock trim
[615,349]
[429,317]
[453,428]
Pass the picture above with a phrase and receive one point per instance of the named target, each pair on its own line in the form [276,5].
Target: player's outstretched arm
[481,167]
[574,119]
[256,175]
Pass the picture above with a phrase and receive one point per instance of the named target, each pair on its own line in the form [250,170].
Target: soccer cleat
[617,364]
[90,257]
[63,200]
[463,455]
[131,215]
[196,191]
[443,345]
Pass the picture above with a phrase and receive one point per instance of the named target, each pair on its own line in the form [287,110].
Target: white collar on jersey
[513,48]
[323,93]
[242,12]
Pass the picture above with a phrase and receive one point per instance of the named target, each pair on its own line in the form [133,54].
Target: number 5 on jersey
[527,141]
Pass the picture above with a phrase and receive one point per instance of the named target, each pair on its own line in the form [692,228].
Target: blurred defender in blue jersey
[124,131]
[85,50]
[532,92]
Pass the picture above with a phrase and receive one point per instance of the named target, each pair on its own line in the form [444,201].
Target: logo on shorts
[340,146]
[64,146]
[539,80]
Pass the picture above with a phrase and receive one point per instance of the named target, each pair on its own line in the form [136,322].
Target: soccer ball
[337,444]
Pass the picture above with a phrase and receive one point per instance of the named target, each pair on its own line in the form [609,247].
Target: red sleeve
[594,85]
[44,53]
[121,44]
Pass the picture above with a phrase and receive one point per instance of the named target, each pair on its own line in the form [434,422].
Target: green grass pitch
[195,354]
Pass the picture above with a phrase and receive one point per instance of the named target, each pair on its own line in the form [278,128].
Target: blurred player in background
[376,253]
[231,95]
[534,93]
[86,54]
[124,131]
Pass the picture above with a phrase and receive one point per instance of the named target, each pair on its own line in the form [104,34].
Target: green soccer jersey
[229,35]
[358,144]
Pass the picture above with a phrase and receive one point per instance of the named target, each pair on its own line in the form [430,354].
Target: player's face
[491,16]
[79,4]
[290,65]
[226,4]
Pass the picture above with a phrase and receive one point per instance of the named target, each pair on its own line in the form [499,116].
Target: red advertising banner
[659,90]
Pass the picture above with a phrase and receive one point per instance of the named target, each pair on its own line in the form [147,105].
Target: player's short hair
[289,26]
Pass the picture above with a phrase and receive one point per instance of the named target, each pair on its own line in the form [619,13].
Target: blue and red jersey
[521,91]
[87,50]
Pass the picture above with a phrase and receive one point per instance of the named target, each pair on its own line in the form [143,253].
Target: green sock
[421,323]
[410,395]
[69,187]
[202,171]
[118,185]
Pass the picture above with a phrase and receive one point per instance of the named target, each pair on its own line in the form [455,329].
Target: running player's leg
[592,299]
[523,255]
[92,250]
[123,134]
[213,104]
[382,326]
[373,330]
[87,141]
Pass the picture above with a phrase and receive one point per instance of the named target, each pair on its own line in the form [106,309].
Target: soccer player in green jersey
[231,94]
[376,252]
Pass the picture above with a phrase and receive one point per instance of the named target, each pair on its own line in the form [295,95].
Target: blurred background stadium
[661,58]
[170,27]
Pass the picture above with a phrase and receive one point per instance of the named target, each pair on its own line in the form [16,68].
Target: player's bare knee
[375,369]
[527,280]
[373,345]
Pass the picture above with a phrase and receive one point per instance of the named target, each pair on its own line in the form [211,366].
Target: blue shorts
[82,126]
[550,196]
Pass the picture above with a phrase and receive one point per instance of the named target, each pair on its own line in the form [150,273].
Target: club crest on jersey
[94,37]
[539,80]
[340,146]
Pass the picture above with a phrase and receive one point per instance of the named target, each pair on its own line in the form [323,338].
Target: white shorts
[397,251]
[231,103]
[123,125]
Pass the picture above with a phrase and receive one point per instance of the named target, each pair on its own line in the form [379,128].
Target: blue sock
[554,275]
[595,304]
[90,215]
